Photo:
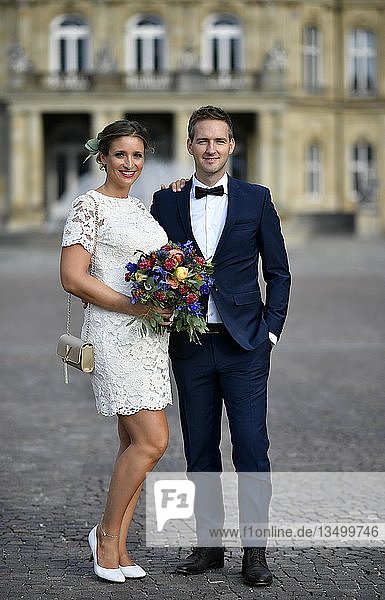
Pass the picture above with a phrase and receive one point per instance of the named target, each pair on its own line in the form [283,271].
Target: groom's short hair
[209,112]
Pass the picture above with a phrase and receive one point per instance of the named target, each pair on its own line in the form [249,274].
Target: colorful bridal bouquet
[176,277]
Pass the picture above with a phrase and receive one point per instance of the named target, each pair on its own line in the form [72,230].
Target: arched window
[222,44]
[313,170]
[69,45]
[362,50]
[312,58]
[363,171]
[146,45]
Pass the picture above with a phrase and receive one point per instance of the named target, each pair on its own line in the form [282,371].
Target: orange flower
[172,282]
[178,254]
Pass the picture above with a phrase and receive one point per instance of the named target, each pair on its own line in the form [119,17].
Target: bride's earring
[102,167]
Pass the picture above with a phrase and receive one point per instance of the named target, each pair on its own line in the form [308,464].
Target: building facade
[304,81]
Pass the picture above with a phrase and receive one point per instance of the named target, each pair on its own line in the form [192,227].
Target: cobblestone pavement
[326,414]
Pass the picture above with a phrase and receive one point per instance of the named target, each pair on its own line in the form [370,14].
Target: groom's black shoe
[201,560]
[254,567]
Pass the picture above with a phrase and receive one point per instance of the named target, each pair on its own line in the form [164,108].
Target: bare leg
[124,558]
[147,437]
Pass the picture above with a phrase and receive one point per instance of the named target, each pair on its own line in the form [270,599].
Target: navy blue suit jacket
[252,231]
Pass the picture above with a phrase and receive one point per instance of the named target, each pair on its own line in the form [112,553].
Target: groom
[234,225]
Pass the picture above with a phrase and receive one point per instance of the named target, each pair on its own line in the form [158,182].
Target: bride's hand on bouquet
[176,185]
[163,316]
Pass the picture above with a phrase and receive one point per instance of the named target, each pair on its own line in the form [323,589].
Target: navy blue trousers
[221,372]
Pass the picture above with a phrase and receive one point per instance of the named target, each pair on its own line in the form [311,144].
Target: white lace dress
[131,372]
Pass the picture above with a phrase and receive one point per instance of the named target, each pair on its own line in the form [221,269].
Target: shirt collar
[223,181]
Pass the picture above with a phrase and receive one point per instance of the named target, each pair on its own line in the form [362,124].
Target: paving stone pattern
[326,413]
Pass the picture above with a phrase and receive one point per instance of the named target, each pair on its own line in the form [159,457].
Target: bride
[131,375]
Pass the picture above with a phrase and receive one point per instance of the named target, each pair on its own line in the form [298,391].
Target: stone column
[183,160]
[264,155]
[19,159]
[277,160]
[253,152]
[341,174]
[26,172]
[370,217]
[34,175]
[380,174]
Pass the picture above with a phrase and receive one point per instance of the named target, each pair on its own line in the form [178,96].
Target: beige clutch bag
[76,352]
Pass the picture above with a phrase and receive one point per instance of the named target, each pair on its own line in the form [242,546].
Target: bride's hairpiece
[92,146]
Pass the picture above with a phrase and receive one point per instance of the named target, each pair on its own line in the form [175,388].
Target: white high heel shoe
[115,575]
[133,572]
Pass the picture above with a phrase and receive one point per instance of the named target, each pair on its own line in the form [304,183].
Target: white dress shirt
[208,217]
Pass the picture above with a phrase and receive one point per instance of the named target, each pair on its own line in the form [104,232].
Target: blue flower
[188,246]
[161,254]
[159,275]
[195,309]
[159,270]
[204,289]
[131,267]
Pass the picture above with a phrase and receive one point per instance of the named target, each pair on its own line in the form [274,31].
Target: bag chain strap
[92,272]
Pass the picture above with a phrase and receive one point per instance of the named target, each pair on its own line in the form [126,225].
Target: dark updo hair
[118,129]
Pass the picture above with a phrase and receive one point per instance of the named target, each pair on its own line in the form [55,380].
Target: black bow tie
[200,192]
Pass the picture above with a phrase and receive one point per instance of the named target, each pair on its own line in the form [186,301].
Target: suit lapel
[183,203]
[234,198]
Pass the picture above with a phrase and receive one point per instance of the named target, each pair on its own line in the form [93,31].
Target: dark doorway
[244,133]
[64,139]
